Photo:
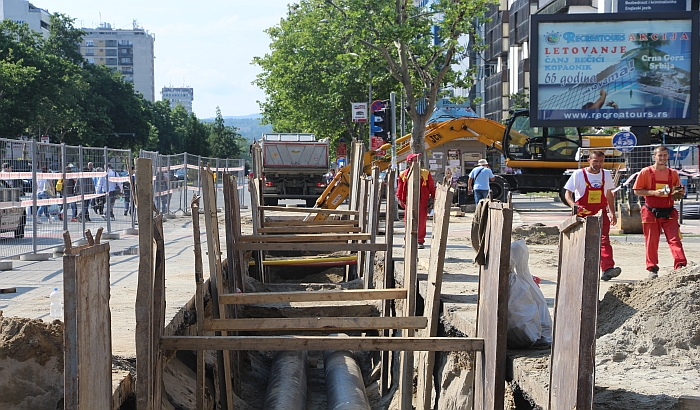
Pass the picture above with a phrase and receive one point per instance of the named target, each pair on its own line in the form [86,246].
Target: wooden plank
[308,229]
[158,317]
[388,271]
[492,310]
[316,323]
[409,280]
[572,363]
[357,151]
[70,331]
[311,246]
[215,282]
[438,243]
[312,296]
[287,343]
[372,225]
[359,269]
[329,222]
[94,330]
[310,237]
[689,403]
[198,302]
[8,290]
[232,220]
[309,210]
[144,289]
[570,223]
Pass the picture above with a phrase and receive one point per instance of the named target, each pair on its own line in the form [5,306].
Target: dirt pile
[31,363]
[536,234]
[648,348]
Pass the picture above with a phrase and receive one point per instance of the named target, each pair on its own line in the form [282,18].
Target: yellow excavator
[539,156]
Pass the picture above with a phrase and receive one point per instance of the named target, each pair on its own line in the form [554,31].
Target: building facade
[129,52]
[179,96]
[22,11]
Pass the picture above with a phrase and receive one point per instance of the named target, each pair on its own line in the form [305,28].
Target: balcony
[496,34]
[520,21]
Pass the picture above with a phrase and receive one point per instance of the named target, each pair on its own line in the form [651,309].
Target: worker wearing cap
[479,180]
[427,190]
[590,190]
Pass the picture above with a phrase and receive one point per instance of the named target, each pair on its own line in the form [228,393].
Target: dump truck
[294,166]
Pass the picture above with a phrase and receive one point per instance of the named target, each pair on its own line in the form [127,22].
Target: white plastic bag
[529,321]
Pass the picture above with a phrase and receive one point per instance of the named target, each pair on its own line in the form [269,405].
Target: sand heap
[31,364]
[648,348]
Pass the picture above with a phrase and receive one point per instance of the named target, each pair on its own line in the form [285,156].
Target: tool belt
[660,212]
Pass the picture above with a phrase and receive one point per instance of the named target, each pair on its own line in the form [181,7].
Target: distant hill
[248,125]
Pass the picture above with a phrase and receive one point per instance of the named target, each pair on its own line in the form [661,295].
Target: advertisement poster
[630,71]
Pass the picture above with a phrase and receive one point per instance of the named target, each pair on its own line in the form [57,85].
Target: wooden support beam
[198,303]
[343,295]
[374,202]
[316,323]
[325,238]
[317,246]
[309,210]
[367,343]
[323,229]
[144,290]
[438,243]
[388,271]
[158,318]
[329,222]
[689,403]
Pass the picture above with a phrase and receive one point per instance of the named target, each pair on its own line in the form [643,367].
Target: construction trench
[487,376]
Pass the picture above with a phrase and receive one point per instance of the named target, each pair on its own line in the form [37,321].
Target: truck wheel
[562,196]
[499,189]
[19,232]
[271,201]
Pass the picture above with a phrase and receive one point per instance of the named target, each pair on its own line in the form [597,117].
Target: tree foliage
[224,141]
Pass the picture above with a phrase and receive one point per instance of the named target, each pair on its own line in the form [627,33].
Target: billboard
[614,69]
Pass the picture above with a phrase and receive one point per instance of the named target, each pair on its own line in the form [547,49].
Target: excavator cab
[526,143]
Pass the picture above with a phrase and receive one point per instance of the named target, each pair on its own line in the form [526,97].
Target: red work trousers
[422,220]
[652,227]
[606,252]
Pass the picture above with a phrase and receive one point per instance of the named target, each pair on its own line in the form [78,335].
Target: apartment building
[130,52]
[22,11]
[179,96]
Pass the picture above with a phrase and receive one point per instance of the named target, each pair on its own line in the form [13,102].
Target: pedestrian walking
[660,186]
[479,180]
[590,190]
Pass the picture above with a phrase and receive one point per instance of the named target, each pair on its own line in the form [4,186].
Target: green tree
[196,136]
[224,141]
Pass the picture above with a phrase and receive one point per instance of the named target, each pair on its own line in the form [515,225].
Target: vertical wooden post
[572,363]
[409,281]
[158,323]
[198,301]
[362,215]
[492,309]
[372,222]
[388,271]
[426,360]
[70,328]
[144,290]
[215,282]
[235,278]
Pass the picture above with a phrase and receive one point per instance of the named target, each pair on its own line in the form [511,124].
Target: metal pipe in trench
[345,388]
[286,387]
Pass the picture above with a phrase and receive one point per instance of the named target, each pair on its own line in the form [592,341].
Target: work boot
[421,246]
[654,272]
[610,273]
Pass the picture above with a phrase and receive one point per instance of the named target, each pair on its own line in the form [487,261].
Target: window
[111,61]
[89,43]
[90,60]
[126,60]
[111,52]
[90,52]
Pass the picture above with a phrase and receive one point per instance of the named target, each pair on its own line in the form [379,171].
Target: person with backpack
[479,181]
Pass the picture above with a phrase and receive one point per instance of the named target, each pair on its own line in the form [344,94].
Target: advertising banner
[614,70]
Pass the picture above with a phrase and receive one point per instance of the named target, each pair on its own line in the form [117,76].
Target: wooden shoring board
[689,403]
[357,156]
[287,343]
[409,280]
[313,222]
[342,295]
[215,282]
[198,302]
[319,229]
[308,246]
[158,323]
[307,237]
[492,309]
[372,224]
[362,215]
[257,219]
[87,331]
[310,210]
[438,243]
[572,363]
[315,323]
[144,289]
[388,282]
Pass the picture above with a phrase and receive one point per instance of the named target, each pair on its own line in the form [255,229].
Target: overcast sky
[204,44]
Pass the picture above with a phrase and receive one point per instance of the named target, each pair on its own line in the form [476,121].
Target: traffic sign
[341,150]
[624,141]
[378,105]
[359,112]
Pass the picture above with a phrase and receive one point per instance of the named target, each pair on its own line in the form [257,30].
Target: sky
[204,44]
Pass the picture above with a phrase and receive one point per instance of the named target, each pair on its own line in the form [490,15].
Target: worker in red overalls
[427,190]
[655,183]
[592,187]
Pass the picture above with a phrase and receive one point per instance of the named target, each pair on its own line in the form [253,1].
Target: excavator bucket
[630,218]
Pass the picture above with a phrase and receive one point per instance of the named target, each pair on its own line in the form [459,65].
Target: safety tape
[59,201]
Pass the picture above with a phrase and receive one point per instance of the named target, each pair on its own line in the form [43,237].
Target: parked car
[12,218]
[180,174]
